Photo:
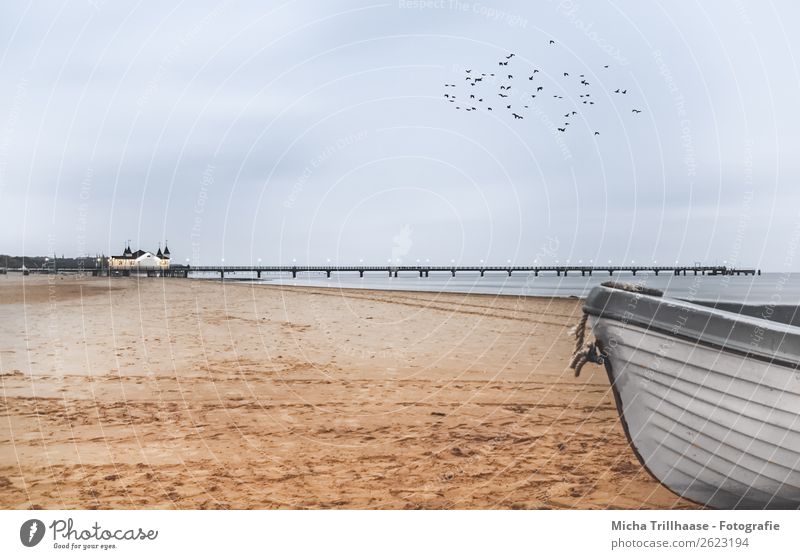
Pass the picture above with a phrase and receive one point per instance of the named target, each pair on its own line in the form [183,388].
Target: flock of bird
[517,98]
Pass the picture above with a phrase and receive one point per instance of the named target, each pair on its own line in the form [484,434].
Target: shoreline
[366,289]
[139,393]
[394,291]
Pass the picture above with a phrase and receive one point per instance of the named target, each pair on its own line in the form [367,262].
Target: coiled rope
[584,351]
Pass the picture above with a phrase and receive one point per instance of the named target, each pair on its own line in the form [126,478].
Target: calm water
[771,287]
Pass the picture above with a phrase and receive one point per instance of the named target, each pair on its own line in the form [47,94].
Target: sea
[767,288]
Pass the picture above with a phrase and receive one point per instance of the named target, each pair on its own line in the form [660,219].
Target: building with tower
[141,260]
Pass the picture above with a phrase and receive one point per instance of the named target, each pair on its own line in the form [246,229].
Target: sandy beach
[174,393]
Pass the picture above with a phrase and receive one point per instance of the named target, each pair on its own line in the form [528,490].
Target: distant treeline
[33,262]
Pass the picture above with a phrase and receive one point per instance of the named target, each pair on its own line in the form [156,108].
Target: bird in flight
[552,42]
[474,75]
[637,111]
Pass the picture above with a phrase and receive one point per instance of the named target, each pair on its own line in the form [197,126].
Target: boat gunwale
[597,305]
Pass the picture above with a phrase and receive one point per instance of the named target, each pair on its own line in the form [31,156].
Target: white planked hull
[716,427]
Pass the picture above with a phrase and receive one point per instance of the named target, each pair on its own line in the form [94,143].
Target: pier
[425,271]
[393,271]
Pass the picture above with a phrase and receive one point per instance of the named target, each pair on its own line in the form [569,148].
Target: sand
[174,393]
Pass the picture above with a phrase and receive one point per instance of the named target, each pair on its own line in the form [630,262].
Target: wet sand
[173,393]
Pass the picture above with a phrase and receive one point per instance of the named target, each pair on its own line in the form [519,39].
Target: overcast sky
[311,131]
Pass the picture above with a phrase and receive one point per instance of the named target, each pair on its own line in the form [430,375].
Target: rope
[584,352]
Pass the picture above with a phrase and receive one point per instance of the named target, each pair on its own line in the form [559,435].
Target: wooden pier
[393,271]
[425,271]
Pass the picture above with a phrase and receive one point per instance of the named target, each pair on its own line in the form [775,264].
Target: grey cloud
[151,100]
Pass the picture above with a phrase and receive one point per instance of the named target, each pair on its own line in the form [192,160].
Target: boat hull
[716,427]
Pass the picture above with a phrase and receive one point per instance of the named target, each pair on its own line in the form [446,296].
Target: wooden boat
[708,393]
